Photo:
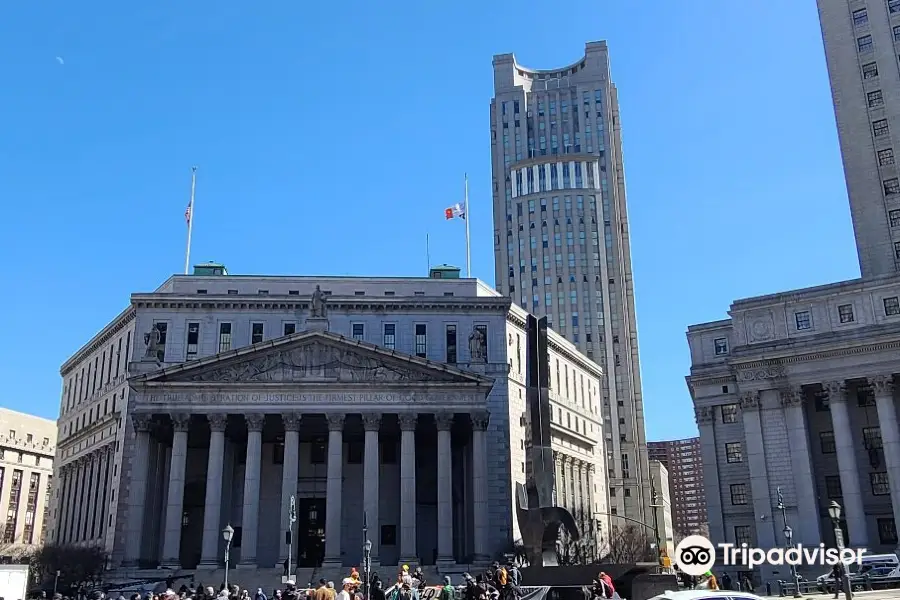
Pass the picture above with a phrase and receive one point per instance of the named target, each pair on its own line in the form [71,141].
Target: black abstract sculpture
[539,519]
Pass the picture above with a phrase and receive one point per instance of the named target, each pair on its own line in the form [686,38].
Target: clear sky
[331,136]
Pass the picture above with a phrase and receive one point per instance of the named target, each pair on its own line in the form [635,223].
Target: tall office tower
[862,42]
[561,238]
[684,461]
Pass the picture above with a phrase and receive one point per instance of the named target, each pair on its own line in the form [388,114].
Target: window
[880,485]
[290,329]
[742,534]
[734,453]
[893,6]
[891,186]
[860,17]
[891,306]
[886,157]
[897,33]
[870,70]
[256,333]
[390,335]
[193,340]
[864,44]
[833,487]
[224,337]
[887,531]
[721,346]
[451,343]
[625,470]
[263,292]
[421,345]
[738,493]
[826,442]
[875,99]
[484,332]
[803,320]
[358,331]
[872,438]
[845,313]
[729,413]
[880,128]
[29,438]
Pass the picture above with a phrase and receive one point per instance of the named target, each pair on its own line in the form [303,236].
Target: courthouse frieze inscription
[315,361]
[276,398]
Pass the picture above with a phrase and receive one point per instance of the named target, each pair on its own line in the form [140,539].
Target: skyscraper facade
[684,462]
[862,42]
[561,239]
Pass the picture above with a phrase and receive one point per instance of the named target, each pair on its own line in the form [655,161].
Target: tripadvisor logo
[695,555]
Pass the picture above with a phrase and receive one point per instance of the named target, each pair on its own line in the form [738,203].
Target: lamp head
[228,533]
[788,532]
[368,546]
[834,510]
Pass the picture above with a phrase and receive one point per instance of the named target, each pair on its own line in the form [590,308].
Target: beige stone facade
[27,449]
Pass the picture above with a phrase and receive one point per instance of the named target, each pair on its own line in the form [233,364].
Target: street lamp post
[655,505]
[788,538]
[834,511]
[55,583]
[227,535]
[292,518]
[367,557]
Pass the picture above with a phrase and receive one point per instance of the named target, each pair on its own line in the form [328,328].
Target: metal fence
[857,584]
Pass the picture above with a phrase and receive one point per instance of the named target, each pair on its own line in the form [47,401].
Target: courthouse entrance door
[310,532]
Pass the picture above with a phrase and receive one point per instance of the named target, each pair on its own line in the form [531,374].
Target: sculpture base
[317,324]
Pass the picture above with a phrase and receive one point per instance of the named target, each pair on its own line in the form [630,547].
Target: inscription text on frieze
[213,398]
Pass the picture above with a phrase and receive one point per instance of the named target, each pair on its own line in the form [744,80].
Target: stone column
[480,486]
[371,476]
[78,513]
[558,477]
[60,503]
[333,490]
[567,482]
[175,504]
[408,546]
[883,386]
[212,509]
[444,488]
[849,472]
[96,478]
[289,474]
[756,464]
[106,486]
[137,494]
[705,416]
[807,530]
[250,514]
[71,501]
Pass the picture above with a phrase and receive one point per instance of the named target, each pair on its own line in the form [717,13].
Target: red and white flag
[458,210]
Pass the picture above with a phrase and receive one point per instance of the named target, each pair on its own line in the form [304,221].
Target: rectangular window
[896,251]
[886,157]
[390,335]
[734,453]
[421,342]
[256,333]
[875,99]
[887,531]
[872,438]
[290,329]
[880,485]
[833,487]
[451,344]
[738,493]
[826,442]
[897,33]
[803,320]
[742,534]
[891,186]
[864,44]
[894,216]
[870,70]
[860,17]
[729,413]
[880,128]
[358,331]
[224,337]
[893,6]
[193,341]
[721,346]
[845,313]
[891,306]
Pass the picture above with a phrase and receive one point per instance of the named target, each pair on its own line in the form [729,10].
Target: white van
[868,562]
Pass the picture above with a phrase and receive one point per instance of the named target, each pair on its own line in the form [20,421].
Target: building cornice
[556,342]
[114,327]
[92,429]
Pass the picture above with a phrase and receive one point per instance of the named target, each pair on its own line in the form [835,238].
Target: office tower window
[421,342]
[896,249]
[390,335]
[870,70]
[193,341]
[896,31]
[864,44]
[886,157]
[895,217]
[893,6]
[875,99]
[224,337]
[358,331]
[451,344]
[880,128]
[860,17]
[256,333]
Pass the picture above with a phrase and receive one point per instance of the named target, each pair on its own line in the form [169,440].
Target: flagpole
[468,252]
[428,255]
[190,224]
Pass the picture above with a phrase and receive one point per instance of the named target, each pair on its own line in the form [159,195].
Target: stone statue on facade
[152,341]
[317,305]
[477,346]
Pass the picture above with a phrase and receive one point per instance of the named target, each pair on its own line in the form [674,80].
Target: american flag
[187,214]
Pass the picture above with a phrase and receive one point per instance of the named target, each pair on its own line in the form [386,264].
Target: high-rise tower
[862,41]
[561,238]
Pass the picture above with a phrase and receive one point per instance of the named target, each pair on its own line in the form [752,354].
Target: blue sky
[330,137]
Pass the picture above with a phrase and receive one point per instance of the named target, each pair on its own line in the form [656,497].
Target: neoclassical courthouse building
[395,403]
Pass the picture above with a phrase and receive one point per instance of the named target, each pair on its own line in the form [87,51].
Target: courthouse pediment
[311,357]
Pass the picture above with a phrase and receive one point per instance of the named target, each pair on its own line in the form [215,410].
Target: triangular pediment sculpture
[313,357]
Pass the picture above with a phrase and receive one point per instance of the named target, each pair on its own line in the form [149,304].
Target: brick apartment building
[686,491]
